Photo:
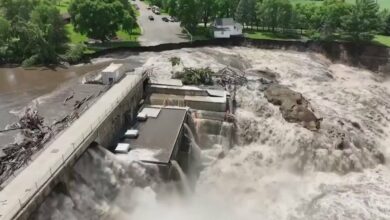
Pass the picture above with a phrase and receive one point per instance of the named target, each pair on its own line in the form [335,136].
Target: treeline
[332,19]
[33,31]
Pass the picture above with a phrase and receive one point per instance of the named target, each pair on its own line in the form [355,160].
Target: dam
[104,123]
[277,167]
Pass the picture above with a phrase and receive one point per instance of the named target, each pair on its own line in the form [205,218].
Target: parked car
[149,8]
[173,19]
[151,18]
[165,19]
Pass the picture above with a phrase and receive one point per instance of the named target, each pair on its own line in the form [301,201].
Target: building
[226,28]
[113,73]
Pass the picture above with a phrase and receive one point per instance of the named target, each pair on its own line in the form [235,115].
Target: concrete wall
[107,134]
[115,125]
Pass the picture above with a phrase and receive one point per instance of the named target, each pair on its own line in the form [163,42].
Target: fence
[71,153]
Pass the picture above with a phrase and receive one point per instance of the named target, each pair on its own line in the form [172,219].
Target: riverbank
[369,56]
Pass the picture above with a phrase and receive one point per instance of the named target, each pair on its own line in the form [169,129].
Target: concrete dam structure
[174,108]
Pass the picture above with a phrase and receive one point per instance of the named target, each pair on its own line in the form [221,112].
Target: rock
[293,106]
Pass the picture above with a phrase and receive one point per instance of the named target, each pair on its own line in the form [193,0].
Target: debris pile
[35,135]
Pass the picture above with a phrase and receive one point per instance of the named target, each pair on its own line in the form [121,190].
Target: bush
[31,61]
[175,61]
[75,53]
[191,76]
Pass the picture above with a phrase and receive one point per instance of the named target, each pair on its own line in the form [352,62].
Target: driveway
[157,31]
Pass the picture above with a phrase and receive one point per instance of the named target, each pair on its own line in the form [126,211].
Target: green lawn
[75,37]
[382,3]
[383,40]
[262,35]
[271,36]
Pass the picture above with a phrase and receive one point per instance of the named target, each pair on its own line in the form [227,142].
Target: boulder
[293,106]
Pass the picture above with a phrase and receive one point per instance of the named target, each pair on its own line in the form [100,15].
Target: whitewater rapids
[278,170]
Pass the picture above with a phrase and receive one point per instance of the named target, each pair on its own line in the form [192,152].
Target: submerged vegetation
[175,61]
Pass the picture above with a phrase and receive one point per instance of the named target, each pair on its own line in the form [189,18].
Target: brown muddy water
[21,87]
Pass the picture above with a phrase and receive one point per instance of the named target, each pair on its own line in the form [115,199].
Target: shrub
[75,53]
[175,61]
[192,76]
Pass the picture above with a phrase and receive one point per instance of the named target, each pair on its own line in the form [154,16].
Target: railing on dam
[12,201]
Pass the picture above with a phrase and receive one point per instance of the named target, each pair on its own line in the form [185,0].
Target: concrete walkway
[40,171]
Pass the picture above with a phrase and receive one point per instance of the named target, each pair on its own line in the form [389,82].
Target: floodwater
[19,87]
[276,171]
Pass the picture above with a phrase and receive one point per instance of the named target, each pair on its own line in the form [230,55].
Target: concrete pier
[28,189]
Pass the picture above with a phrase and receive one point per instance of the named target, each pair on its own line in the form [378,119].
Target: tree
[31,32]
[54,37]
[18,8]
[101,19]
[246,11]
[362,20]
[332,14]
[207,10]
[275,13]
[188,14]
[226,8]
[172,7]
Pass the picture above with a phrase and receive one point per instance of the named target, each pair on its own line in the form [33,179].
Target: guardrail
[70,154]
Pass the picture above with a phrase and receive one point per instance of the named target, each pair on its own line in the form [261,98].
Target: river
[277,169]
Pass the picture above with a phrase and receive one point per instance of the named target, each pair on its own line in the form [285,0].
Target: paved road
[157,31]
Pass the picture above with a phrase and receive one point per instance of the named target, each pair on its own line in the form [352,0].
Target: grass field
[382,3]
[383,40]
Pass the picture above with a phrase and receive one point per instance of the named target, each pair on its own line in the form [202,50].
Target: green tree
[332,13]
[226,8]
[362,20]
[246,12]
[13,9]
[101,19]
[207,10]
[54,37]
[188,14]
[172,7]
[275,14]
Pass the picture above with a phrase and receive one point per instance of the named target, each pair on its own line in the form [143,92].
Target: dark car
[173,19]
[165,19]
[151,18]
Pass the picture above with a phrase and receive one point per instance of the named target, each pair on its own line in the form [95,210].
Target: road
[157,31]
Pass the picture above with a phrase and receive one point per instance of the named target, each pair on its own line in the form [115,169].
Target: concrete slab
[167,82]
[151,112]
[159,134]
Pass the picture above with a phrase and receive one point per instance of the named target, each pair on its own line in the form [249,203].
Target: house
[226,28]
[113,73]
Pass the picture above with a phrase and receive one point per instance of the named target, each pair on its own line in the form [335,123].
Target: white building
[113,73]
[226,27]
